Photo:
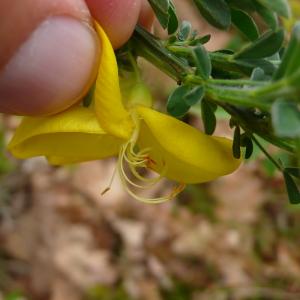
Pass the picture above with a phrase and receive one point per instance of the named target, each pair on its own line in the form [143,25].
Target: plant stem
[251,125]
[270,88]
[236,82]
[224,82]
[268,155]
[235,97]
[226,93]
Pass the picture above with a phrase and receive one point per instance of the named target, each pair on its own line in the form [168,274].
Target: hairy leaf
[208,117]
[292,189]
[195,95]
[291,59]
[279,6]
[269,17]
[286,118]
[161,10]
[203,62]
[176,105]
[245,24]
[268,44]
[173,20]
[216,12]
[236,146]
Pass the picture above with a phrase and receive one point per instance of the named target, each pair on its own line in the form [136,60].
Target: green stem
[231,95]
[150,48]
[268,155]
[233,100]
[251,124]
[184,51]
[147,46]
[224,82]
[236,82]
[235,97]
[135,67]
[270,88]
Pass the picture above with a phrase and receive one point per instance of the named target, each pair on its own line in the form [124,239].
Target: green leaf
[247,65]
[268,44]
[166,14]
[202,40]
[248,144]
[292,189]
[162,5]
[203,62]
[258,74]
[293,171]
[245,24]
[291,58]
[208,117]
[245,5]
[161,10]
[269,17]
[281,7]
[184,31]
[216,12]
[176,105]
[236,145]
[286,119]
[181,100]
[173,20]
[194,96]
[249,149]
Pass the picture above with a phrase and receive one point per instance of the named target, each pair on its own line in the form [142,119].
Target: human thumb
[48,55]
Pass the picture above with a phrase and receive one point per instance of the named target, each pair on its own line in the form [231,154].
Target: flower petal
[109,108]
[186,154]
[69,137]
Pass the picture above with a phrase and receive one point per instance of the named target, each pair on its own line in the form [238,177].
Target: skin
[146,17]
[18,22]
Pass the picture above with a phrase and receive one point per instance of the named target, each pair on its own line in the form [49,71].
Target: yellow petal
[109,108]
[72,136]
[188,155]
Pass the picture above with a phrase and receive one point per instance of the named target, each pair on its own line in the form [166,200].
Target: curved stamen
[135,160]
[158,200]
[135,163]
[106,190]
[150,181]
[124,175]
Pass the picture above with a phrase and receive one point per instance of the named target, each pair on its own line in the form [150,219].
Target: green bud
[139,95]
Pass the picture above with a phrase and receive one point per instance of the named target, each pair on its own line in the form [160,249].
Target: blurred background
[235,238]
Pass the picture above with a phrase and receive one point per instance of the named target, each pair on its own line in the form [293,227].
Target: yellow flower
[139,135]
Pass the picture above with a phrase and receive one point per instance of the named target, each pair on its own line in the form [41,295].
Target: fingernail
[51,70]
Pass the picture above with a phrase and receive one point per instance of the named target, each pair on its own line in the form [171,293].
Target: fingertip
[18,19]
[118,18]
[52,70]
[147,16]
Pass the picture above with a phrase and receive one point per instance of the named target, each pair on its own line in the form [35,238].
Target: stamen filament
[124,175]
[141,159]
[110,182]
[142,178]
